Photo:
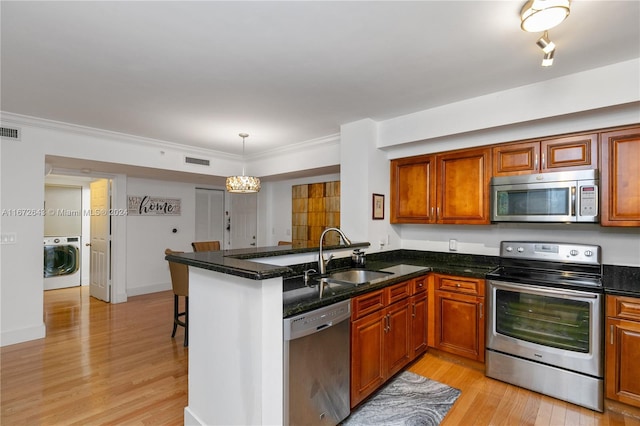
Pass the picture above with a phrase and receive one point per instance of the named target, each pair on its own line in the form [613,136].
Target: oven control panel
[550,251]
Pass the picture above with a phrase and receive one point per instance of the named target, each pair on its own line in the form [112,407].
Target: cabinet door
[620,178]
[397,339]
[367,355]
[569,153]
[411,190]
[516,159]
[419,311]
[460,324]
[622,374]
[463,179]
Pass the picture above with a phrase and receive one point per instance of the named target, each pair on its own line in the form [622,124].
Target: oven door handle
[564,293]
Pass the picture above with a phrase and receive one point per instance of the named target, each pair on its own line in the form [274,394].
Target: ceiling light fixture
[243,184]
[545,44]
[547,61]
[541,15]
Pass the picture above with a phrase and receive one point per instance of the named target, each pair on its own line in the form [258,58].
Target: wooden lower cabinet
[622,370]
[459,316]
[384,325]
[419,316]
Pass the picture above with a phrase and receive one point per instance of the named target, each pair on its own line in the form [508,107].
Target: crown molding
[25,120]
[333,139]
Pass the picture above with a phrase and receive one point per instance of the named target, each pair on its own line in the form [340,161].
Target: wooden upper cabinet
[411,192]
[620,178]
[462,182]
[552,155]
[452,187]
[515,159]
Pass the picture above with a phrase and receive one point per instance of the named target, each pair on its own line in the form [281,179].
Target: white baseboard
[12,337]
[137,291]
[190,419]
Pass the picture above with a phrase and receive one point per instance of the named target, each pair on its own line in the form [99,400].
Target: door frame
[118,230]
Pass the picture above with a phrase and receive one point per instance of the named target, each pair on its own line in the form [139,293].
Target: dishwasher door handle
[325,325]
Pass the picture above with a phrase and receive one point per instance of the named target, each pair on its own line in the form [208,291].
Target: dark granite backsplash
[621,280]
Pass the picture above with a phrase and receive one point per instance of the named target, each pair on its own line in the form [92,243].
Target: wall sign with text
[145,205]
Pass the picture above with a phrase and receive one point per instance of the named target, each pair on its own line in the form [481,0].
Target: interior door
[244,220]
[210,215]
[100,264]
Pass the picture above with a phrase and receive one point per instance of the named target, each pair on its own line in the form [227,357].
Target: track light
[547,61]
[545,44]
[541,15]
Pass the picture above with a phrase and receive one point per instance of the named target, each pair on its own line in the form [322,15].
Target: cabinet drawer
[460,285]
[367,303]
[419,285]
[398,292]
[623,307]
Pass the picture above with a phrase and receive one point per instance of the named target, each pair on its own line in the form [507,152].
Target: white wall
[593,99]
[149,236]
[22,187]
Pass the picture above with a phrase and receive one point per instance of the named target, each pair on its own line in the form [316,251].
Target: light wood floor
[117,365]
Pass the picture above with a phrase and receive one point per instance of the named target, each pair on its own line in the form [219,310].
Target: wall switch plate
[453,245]
[9,238]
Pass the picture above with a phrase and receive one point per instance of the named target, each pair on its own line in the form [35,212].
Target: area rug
[408,399]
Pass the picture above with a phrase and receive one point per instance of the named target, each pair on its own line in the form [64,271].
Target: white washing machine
[61,262]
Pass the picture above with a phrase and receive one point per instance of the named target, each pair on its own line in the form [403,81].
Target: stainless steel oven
[545,320]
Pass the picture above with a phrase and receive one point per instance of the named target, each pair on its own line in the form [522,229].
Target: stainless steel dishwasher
[316,366]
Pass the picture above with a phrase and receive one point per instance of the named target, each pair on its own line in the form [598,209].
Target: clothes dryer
[61,262]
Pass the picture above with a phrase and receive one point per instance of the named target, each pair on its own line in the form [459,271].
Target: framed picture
[378,206]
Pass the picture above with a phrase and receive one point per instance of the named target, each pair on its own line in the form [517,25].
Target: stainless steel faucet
[322,263]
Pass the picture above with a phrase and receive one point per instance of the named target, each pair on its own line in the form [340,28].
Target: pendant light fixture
[243,184]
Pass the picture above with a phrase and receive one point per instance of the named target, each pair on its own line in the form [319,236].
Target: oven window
[545,320]
[534,202]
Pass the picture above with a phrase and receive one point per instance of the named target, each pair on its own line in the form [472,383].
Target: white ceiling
[198,73]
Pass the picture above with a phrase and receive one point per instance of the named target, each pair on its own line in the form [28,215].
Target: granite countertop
[238,262]
[405,265]
[298,297]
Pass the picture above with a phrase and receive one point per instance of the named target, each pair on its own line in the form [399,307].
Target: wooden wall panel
[315,207]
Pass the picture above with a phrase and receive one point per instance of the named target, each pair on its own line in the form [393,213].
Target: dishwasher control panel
[314,321]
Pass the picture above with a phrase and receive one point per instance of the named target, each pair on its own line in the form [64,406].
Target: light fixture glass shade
[541,15]
[547,61]
[243,184]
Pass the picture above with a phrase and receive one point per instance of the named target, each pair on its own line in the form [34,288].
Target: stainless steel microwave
[546,197]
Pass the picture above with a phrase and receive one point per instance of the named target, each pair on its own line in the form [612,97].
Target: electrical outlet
[453,245]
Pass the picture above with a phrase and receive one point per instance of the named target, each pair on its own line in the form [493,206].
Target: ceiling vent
[12,133]
[198,161]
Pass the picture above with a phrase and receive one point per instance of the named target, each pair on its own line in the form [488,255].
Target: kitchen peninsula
[237,301]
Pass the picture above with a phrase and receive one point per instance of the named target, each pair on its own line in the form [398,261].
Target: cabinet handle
[438,212]
[481,310]
[388,322]
[431,211]
[414,311]
[611,334]
[535,163]
[458,285]
[543,162]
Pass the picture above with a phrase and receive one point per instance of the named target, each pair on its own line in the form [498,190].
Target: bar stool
[180,284]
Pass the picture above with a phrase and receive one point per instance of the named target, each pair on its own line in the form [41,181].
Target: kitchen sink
[355,276]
